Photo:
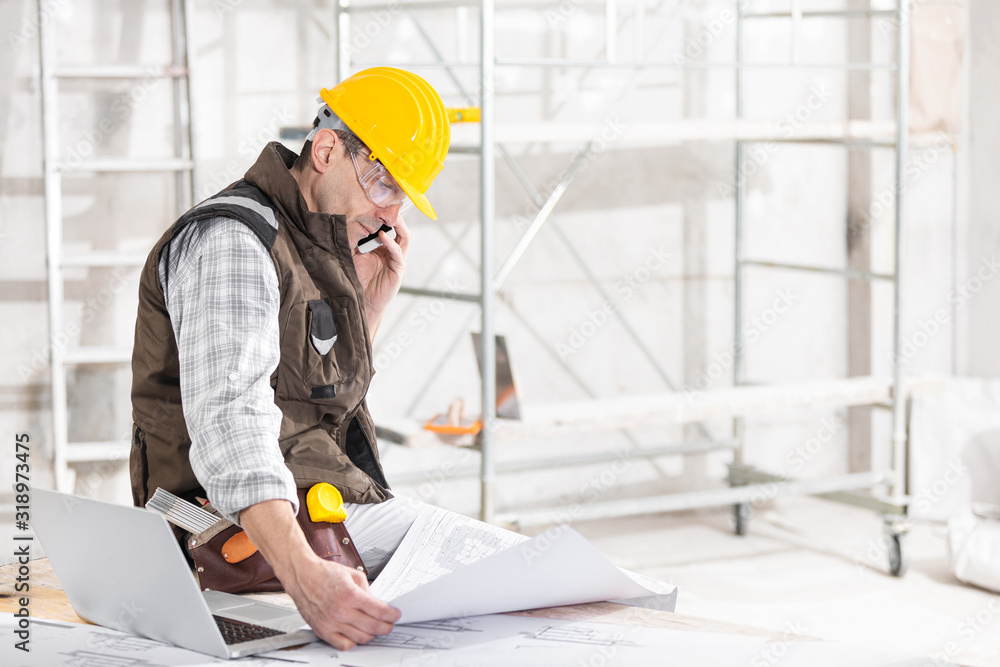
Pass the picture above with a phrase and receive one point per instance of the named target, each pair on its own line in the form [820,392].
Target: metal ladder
[181,165]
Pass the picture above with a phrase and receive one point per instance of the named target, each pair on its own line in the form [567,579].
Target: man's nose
[388,216]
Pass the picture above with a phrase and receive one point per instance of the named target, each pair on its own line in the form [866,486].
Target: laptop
[122,568]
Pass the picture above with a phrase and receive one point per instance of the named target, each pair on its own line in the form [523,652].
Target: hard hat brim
[419,200]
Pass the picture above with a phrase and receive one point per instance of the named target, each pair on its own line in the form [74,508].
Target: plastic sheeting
[955,449]
[974,546]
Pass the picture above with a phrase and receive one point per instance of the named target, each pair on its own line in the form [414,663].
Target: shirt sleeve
[223,299]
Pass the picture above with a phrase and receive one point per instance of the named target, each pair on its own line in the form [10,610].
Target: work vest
[327,434]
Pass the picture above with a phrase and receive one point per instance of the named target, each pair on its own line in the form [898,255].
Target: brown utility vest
[327,434]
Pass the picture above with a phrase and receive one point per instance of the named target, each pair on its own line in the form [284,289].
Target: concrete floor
[815,568]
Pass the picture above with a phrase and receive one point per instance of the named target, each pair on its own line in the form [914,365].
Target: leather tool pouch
[217,569]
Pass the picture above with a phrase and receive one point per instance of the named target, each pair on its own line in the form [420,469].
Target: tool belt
[225,559]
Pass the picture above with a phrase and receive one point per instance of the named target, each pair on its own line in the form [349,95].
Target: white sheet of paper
[439,542]
[558,567]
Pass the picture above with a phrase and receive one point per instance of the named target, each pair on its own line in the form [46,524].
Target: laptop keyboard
[237,632]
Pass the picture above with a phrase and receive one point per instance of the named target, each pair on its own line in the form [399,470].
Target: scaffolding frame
[65,453]
[747,482]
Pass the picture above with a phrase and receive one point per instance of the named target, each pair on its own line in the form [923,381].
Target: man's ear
[323,144]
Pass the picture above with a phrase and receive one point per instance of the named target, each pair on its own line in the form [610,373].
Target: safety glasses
[380,186]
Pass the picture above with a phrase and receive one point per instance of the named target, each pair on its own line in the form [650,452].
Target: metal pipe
[507,467]
[183,134]
[97,354]
[640,6]
[741,475]
[597,64]
[487,289]
[447,4]
[396,6]
[536,224]
[848,143]
[126,165]
[854,274]
[441,294]
[120,72]
[462,33]
[796,31]
[739,196]
[685,501]
[610,30]
[342,15]
[899,438]
[53,243]
[850,14]
[189,126]
[687,64]
[105,258]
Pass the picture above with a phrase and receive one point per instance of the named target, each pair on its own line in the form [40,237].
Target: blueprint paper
[484,641]
[438,543]
[441,543]
[502,641]
[558,567]
[79,645]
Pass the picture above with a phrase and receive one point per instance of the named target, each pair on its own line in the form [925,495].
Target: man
[253,341]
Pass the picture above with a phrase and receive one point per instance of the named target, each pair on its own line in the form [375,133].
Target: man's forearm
[272,528]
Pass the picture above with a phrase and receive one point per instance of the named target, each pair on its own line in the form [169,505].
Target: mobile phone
[371,242]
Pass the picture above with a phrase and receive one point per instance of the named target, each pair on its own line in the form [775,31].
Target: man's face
[342,193]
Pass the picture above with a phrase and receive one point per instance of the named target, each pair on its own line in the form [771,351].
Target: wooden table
[48,601]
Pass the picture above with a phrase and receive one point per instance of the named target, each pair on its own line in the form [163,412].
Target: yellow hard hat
[402,120]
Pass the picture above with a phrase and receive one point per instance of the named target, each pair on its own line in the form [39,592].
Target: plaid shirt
[223,300]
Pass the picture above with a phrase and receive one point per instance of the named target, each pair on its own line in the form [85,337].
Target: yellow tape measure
[325,504]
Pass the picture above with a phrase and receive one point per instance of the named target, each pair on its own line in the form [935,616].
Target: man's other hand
[335,602]
[380,272]
[332,598]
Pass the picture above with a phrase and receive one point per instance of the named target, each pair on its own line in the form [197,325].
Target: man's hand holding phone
[380,263]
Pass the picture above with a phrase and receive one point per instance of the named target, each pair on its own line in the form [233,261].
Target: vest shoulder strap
[244,202]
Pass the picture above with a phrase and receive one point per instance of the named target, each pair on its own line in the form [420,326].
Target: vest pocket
[320,351]
[322,326]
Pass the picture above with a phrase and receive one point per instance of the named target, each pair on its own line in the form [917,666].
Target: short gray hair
[326,119]
[353,146]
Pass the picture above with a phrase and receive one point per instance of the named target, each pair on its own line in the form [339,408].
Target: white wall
[981,353]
